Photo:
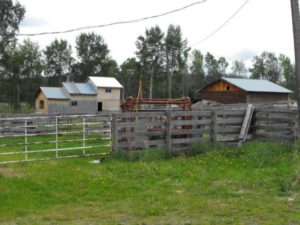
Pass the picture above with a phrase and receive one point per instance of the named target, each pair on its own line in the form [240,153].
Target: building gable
[222,85]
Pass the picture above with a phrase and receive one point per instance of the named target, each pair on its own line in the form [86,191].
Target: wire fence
[25,139]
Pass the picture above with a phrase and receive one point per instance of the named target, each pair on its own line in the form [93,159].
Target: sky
[262,25]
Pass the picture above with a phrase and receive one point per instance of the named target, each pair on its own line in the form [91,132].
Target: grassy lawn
[257,184]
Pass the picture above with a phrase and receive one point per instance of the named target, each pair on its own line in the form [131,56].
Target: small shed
[97,94]
[52,100]
[83,97]
[71,98]
[108,93]
[234,90]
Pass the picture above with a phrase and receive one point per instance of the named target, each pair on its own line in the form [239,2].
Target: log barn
[234,90]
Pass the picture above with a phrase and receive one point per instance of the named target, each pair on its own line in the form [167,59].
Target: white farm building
[96,95]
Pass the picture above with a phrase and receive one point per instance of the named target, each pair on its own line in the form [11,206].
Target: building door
[99,106]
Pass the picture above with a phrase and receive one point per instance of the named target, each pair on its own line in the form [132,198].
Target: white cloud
[258,27]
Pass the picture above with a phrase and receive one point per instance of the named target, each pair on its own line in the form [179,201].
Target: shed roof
[79,88]
[55,93]
[109,82]
[252,85]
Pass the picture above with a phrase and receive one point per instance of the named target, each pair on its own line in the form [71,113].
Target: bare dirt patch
[9,172]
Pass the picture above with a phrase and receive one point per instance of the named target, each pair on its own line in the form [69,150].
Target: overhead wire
[222,25]
[114,23]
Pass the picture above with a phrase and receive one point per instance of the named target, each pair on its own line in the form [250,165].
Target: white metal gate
[25,139]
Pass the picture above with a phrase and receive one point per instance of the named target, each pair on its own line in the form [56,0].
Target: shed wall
[85,104]
[41,97]
[110,101]
[56,106]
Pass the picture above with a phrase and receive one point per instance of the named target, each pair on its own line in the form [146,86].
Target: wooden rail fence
[179,129]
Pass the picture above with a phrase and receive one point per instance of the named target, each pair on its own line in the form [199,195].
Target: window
[108,90]
[227,88]
[73,103]
[41,104]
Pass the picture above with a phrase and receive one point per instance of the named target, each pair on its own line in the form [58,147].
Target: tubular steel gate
[25,139]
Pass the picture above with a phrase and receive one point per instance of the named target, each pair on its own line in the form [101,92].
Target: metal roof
[252,85]
[79,88]
[109,82]
[55,93]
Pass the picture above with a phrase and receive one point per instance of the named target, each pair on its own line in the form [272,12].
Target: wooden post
[296,31]
[214,126]
[168,131]
[114,132]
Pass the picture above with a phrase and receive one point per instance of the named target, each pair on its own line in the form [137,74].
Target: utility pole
[296,30]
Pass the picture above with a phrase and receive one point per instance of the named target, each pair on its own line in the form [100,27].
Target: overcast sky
[262,25]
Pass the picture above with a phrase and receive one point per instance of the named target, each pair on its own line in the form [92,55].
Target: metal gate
[24,139]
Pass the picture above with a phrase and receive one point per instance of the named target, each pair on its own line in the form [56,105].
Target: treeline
[164,63]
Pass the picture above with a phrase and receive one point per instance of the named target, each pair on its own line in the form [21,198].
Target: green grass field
[257,184]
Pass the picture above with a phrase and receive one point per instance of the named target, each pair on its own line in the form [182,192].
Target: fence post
[114,132]
[168,131]
[214,126]
[83,135]
[56,136]
[26,141]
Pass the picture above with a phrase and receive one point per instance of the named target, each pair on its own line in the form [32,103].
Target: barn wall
[266,97]
[224,97]
[39,97]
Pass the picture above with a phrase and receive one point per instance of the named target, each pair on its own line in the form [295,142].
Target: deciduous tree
[58,61]
[150,48]
[175,49]
[92,53]
[238,69]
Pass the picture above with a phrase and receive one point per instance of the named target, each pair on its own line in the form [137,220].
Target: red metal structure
[133,104]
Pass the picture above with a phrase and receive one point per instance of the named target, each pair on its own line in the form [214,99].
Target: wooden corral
[134,130]
[231,91]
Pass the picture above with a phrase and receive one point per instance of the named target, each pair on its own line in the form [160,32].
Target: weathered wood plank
[276,119]
[230,128]
[147,144]
[201,113]
[141,124]
[232,113]
[189,140]
[275,137]
[232,138]
[246,124]
[238,120]
[281,126]
[147,133]
[191,131]
[140,114]
[191,122]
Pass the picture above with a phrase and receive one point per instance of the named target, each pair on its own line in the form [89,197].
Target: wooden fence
[178,129]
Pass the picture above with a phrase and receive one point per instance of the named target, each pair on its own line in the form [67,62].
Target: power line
[115,23]
[222,25]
